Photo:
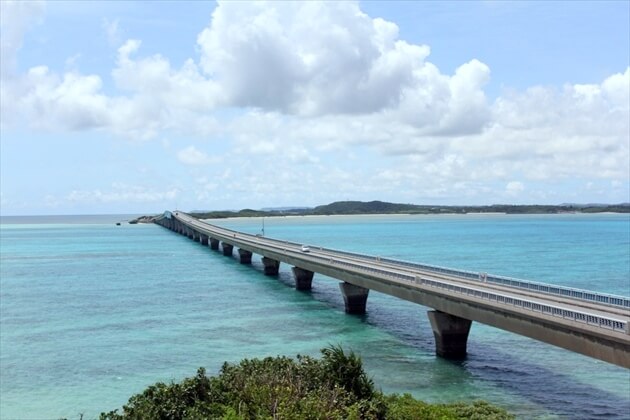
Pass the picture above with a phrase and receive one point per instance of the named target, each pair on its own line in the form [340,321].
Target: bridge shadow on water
[492,361]
[495,358]
[557,392]
[534,371]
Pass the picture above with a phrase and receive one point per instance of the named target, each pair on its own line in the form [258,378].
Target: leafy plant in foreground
[333,387]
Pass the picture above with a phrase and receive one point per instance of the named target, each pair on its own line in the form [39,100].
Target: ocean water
[91,313]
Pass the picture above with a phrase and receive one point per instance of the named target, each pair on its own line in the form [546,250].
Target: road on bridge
[590,323]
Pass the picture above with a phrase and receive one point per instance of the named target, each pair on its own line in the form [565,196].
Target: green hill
[382,207]
[362,207]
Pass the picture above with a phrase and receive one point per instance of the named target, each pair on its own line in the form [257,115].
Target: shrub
[333,387]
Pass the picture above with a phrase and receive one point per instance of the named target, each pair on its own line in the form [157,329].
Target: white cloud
[514,188]
[323,84]
[122,193]
[112,31]
[579,130]
[73,100]
[192,156]
[160,98]
[312,58]
[16,18]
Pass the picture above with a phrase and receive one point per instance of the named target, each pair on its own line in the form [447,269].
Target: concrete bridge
[590,323]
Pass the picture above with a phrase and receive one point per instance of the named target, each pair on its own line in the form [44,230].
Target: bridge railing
[564,291]
[388,273]
[555,311]
[570,292]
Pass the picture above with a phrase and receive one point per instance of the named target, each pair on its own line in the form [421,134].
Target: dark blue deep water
[92,312]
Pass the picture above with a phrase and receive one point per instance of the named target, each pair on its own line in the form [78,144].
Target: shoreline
[405,215]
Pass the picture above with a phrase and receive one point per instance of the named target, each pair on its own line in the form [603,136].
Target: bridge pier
[204,239]
[214,244]
[354,298]
[271,266]
[227,249]
[190,233]
[245,255]
[451,334]
[195,235]
[303,278]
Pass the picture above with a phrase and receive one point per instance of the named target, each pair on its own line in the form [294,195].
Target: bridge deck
[597,329]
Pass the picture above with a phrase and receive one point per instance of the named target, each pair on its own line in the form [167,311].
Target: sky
[138,107]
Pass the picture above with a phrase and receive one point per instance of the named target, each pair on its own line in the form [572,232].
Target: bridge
[591,323]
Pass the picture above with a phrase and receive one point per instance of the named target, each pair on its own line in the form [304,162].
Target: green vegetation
[333,387]
[381,207]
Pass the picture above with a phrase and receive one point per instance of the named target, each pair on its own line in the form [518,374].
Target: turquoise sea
[91,312]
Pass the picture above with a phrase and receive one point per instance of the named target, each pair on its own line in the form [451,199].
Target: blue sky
[125,107]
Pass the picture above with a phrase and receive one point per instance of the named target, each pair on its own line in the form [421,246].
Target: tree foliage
[333,387]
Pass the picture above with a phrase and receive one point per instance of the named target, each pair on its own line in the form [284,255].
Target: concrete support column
[303,278]
[451,334]
[204,239]
[214,244]
[271,266]
[354,297]
[227,249]
[190,233]
[195,236]
[246,256]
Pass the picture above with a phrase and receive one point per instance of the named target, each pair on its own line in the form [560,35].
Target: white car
[306,248]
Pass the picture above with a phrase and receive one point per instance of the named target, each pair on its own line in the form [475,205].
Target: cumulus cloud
[16,18]
[159,98]
[546,132]
[320,83]
[74,100]
[312,58]
[304,59]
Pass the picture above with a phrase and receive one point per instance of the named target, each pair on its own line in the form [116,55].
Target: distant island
[381,207]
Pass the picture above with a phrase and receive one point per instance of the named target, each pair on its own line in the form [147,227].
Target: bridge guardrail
[594,320]
[586,295]
[570,292]
[555,311]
